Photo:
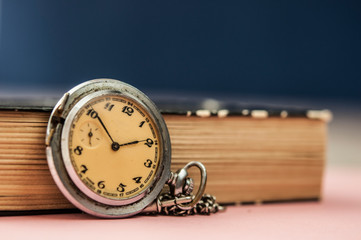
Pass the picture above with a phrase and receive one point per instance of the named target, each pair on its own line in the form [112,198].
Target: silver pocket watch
[109,152]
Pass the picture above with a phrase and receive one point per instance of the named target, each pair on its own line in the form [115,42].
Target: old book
[252,155]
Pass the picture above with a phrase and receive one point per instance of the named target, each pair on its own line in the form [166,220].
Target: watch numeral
[84,169]
[109,106]
[141,124]
[137,179]
[101,185]
[121,187]
[148,163]
[92,113]
[78,150]
[149,142]
[128,110]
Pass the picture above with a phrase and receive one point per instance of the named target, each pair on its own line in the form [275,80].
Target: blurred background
[283,52]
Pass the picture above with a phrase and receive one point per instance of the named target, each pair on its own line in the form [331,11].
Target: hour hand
[133,142]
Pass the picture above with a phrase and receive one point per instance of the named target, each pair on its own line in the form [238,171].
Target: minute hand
[115,145]
[101,122]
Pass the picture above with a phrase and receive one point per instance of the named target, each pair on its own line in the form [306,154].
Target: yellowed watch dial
[114,147]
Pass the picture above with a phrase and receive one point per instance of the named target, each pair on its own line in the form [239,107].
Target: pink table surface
[337,216]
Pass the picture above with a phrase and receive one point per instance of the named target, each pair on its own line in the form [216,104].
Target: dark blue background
[299,48]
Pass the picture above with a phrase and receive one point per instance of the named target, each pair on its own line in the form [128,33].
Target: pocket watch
[109,152]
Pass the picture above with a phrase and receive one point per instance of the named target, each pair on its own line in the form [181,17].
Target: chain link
[206,206]
[180,200]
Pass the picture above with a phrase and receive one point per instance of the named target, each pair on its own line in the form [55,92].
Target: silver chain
[205,206]
[180,200]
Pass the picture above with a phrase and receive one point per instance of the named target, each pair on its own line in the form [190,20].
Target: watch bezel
[59,159]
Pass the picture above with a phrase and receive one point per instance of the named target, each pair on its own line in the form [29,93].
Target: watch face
[113,147]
